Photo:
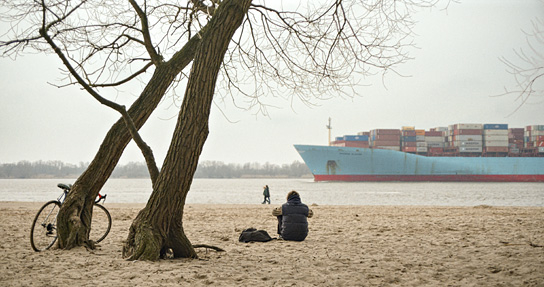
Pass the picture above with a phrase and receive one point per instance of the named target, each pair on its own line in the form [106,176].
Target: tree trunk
[159,226]
[73,221]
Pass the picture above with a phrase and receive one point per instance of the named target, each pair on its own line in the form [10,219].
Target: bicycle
[43,233]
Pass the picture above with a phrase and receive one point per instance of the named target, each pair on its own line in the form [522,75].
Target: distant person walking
[266,193]
[293,218]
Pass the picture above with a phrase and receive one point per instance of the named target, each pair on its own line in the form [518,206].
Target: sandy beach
[346,246]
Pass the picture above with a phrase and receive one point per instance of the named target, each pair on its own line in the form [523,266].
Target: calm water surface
[249,191]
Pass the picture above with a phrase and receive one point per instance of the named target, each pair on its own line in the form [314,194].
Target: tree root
[218,249]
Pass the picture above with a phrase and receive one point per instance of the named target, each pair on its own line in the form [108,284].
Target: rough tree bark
[159,226]
[74,217]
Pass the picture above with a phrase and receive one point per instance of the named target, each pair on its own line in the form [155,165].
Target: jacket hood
[294,199]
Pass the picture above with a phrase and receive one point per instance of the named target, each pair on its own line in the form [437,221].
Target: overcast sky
[453,78]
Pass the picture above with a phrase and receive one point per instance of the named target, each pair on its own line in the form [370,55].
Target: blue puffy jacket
[294,219]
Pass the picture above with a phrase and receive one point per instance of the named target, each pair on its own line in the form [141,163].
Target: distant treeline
[206,169]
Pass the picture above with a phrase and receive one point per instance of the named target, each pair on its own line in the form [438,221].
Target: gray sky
[453,77]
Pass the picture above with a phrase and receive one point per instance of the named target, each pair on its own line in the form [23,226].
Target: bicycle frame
[44,237]
[67,188]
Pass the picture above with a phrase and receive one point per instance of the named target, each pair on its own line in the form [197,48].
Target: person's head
[292,193]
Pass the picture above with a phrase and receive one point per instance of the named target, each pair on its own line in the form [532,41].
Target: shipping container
[385,132]
[421,149]
[386,137]
[496,132]
[396,148]
[541,149]
[435,139]
[471,149]
[421,144]
[409,144]
[409,133]
[362,144]
[355,138]
[467,132]
[467,138]
[433,134]
[467,143]
[436,150]
[385,143]
[495,126]
[420,132]
[409,149]
[436,144]
[516,133]
[408,128]
[496,143]
[408,138]
[496,149]
[495,138]
[343,143]
[467,126]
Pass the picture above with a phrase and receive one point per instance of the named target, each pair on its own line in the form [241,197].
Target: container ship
[459,152]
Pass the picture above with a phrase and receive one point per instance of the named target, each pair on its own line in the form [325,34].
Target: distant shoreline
[309,176]
[137,170]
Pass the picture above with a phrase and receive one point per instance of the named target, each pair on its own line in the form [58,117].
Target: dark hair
[292,193]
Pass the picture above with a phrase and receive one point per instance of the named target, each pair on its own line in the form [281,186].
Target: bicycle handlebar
[67,187]
[100,198]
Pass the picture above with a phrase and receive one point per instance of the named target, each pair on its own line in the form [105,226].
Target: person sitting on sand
[292,218]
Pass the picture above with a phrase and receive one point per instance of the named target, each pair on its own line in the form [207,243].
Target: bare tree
[528,67]
[306,53]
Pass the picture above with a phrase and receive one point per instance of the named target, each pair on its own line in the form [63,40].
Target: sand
[346,246]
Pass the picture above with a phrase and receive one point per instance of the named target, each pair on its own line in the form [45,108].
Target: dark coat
[294,219]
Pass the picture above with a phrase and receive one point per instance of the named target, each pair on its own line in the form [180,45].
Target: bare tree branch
[528,68]
[155,57]
[146,150]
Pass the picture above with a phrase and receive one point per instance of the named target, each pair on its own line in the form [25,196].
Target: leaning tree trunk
[159,226]
[74,217]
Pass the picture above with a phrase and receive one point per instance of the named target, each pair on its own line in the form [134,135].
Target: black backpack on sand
[254,235]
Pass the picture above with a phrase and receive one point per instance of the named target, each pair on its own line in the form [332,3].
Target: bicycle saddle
[65,186]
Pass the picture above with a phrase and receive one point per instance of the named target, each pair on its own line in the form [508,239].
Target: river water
[249,191]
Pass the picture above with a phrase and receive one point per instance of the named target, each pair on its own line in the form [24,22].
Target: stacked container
[408,139]
[515,140]
[534,137]
[385,139]
[436,140]
[495,138]
[352,141]
[467,138]
[420,141]
[455,140]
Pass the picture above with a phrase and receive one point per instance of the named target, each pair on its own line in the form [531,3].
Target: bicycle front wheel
[101,223]
[43,232]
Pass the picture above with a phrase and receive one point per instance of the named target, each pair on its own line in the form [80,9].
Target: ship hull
[364,164]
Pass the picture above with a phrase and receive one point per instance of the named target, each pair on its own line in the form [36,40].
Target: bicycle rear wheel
[43,232]
[101,223]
